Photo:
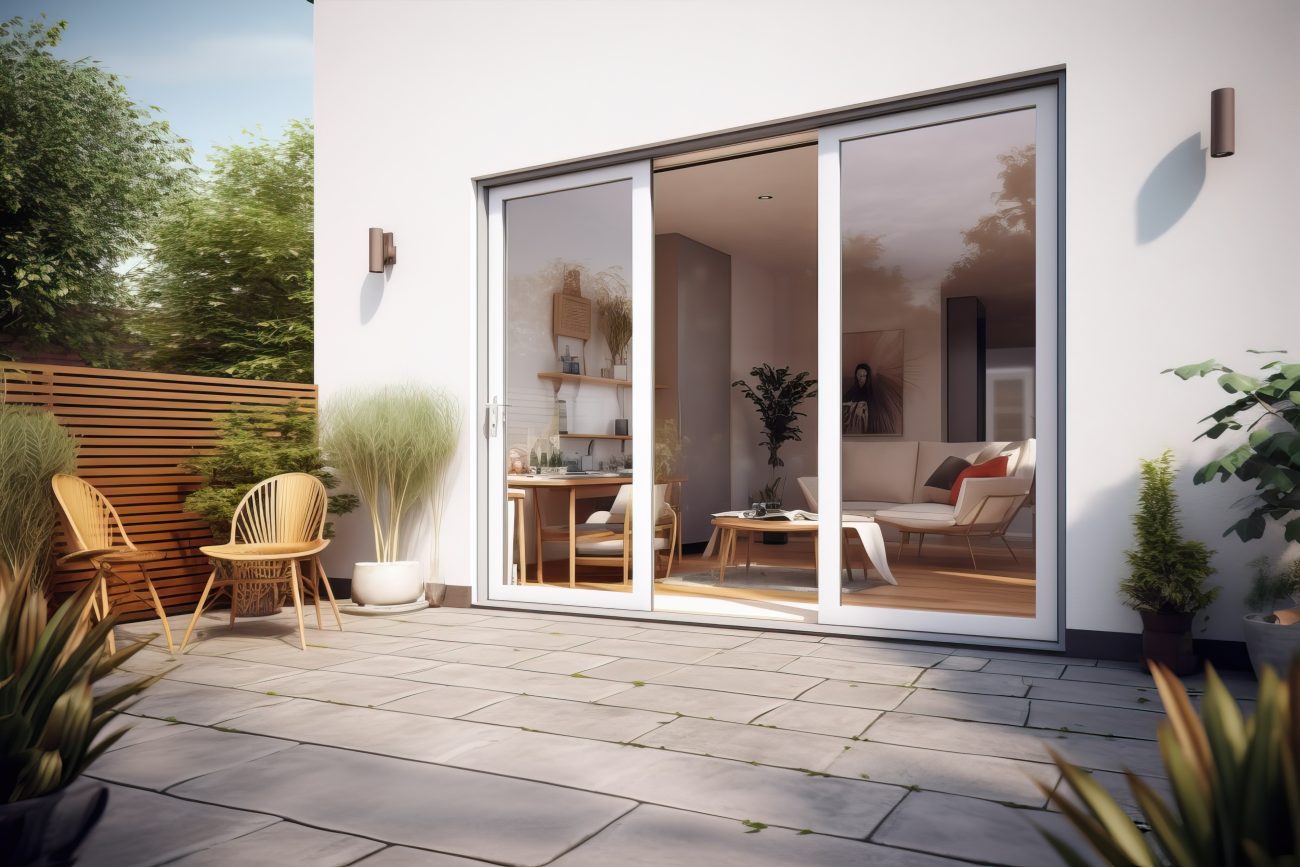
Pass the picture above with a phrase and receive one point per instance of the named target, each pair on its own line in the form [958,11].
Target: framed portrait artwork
[872,384]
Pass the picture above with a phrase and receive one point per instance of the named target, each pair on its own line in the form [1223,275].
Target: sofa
[886,481]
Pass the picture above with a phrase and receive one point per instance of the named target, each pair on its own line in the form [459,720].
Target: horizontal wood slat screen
[134,429]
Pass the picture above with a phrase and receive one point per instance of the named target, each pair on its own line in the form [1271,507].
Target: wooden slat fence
[134,430]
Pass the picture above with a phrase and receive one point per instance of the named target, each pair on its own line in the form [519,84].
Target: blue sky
[214,67]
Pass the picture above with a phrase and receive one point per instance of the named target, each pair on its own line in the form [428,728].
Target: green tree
[83,171]
[228,285]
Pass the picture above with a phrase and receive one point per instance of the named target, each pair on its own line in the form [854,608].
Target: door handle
[493,420]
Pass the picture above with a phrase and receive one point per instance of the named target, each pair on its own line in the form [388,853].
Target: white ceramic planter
[620,371]
[393,583]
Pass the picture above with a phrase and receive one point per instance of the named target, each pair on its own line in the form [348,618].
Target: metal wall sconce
[382,250]
[1223,122]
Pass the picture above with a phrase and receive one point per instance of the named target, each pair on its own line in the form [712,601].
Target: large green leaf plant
[776,396]
[1266,408]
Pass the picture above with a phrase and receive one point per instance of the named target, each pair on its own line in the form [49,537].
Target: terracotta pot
[46,831]
[1167,639]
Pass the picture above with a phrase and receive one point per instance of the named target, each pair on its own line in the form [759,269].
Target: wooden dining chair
[278,524]
[96,529]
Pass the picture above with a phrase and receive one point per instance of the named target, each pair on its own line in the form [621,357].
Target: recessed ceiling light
[763,198]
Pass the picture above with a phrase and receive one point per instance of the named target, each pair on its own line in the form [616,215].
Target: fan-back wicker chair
[277,525]
[96,529]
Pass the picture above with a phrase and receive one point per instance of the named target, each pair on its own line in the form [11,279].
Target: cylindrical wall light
[382,250]
[1223,122]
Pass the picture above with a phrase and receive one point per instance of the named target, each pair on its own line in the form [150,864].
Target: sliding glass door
[937,300]
[569,409]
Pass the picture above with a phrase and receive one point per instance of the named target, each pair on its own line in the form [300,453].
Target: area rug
[763,578]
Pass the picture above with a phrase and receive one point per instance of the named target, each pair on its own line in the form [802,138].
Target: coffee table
[728,527]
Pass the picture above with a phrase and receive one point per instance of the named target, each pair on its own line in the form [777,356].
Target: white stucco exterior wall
[1170,257]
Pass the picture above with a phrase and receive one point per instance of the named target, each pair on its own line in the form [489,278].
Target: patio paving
[459,737]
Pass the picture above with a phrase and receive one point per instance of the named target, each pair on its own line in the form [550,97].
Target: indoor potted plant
[615,319]
[1167,573]
[776,396]
[393,444]
[1273,636]
[50,717]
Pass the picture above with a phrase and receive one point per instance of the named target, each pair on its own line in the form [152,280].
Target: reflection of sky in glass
[920,189]
[589,226]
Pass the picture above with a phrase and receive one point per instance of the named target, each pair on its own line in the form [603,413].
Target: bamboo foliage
[394,445]
[1235,781]
[33,448]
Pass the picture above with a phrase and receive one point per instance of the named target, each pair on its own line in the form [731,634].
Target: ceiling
[717,204]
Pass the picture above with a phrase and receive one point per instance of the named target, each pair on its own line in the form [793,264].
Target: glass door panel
[568,462]
[937,299]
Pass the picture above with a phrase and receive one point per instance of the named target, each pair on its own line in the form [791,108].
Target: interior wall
[415,100]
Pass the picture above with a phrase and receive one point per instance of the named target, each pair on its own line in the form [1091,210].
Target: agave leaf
[1257,785]
[1067,852]
[1183,723]
[59,677]
[118,694]
[1193,801]
[108,662]
[1113,820]
[1170,835]
[1086,823]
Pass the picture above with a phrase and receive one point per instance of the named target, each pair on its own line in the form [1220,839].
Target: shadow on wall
[371,296]
[1170,189]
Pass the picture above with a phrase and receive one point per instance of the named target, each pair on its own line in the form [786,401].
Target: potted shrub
[776,396]
[258,443]
[49,716]
[615,318]
[1236,784]
[1273,638]
[1167,573]
[394,445]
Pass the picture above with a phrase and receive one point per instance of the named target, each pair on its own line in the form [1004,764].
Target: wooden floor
[940,579]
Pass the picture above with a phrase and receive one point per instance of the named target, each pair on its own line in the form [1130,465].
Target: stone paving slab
[1118,721]
[994,779]
[704,703]
[747,743]
[1101,694]
[885,655]
[158,764]
[522,682]
[744,658]
[1013,742]
[447,701]
[136,730]
[280,653]
[860,672]
[973,829]
[719,787]
[659,652]
[383,666]
[143,828]
[504,637]
[962,663]
[198,704]
[629,670]
[565,662]
[694,638]
[320,786]
[874,696]
[767,683]
[1121,676]
[430,649]
[787,645]
[284,843]
[486,654]
[975,681]
[655,836]
[967,706]
[580,719]
[404,856]
[1016,666]
[824,719]
[341,688]
[426,739]
[223,671]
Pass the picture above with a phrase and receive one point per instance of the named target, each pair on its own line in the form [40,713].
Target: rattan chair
[277,525]
[96,529]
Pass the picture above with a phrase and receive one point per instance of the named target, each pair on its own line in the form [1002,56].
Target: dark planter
[46,831]
[1167,639]
[775,538]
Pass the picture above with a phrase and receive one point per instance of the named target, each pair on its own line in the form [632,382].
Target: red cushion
[994,469]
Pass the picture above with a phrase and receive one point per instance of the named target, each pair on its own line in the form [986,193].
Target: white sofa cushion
[867,507]
[919,515]
[881,471]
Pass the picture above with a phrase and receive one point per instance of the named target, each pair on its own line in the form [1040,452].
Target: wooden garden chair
[277,525]
[96,529]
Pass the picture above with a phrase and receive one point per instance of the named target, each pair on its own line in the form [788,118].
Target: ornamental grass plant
[33,448]
[394,445]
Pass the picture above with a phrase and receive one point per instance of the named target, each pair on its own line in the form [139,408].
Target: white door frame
[1044,626]
[494,507]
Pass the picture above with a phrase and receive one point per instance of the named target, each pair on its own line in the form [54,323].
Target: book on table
[770,515]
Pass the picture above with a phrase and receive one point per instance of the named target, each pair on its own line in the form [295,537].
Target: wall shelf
[582,436]
[558,378]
